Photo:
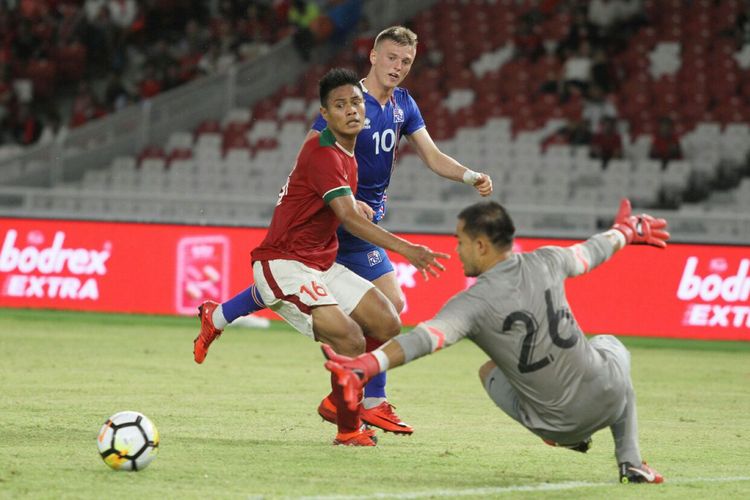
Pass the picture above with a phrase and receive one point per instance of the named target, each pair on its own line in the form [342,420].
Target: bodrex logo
[723,296]
[51,272]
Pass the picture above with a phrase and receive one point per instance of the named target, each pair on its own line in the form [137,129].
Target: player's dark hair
[335,78]
[490,219]
[397,34]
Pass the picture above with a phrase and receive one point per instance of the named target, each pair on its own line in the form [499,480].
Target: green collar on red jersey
[327,138]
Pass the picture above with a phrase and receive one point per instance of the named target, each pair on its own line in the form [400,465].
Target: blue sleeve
[413,120]
[319,124]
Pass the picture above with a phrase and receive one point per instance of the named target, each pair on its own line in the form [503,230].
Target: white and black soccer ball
[128,441]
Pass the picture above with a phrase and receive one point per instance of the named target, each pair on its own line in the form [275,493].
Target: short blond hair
[398,34]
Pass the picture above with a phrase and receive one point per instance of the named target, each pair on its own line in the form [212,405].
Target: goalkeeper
[542,371]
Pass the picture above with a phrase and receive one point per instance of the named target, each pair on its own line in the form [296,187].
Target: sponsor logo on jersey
[398,115]
[367,124]
[374,258]
[722,296]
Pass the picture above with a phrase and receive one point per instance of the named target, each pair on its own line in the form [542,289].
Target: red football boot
[327,410]
[383,417]
[208,332]
[361,437]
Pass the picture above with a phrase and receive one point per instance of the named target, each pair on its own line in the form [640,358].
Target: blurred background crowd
[65,62]
[624,82]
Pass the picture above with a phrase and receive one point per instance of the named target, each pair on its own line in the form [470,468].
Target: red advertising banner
[686,291]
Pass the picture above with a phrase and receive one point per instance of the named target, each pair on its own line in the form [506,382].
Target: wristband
[471,177]
[382,358]
[619,235]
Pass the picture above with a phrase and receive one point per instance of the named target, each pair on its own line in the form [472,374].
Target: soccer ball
[128,441]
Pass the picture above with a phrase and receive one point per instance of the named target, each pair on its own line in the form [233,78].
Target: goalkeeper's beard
[471,272]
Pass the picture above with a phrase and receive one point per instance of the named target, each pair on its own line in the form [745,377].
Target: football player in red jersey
[295,267]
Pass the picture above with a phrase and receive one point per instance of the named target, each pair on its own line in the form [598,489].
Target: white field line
[513,489]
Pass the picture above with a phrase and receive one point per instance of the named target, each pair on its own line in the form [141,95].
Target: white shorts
[292,289]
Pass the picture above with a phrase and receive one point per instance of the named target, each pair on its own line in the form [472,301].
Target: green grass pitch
[243,424]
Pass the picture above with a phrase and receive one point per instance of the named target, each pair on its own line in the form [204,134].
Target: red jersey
[303,227]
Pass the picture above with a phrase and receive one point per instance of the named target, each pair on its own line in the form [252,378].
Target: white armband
[618,236]
[383,362]
[582,259]
[471,177]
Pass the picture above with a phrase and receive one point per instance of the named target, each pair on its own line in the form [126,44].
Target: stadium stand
[130,50]
[508,88]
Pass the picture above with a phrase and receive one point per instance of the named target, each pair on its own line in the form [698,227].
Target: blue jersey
[375,152]
[378,142]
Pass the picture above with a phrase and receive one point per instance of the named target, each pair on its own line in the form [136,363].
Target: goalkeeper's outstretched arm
[627,229]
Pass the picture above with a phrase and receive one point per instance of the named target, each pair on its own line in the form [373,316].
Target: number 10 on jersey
[386,141]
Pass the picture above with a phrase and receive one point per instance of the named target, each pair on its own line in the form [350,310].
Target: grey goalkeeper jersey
[518,314]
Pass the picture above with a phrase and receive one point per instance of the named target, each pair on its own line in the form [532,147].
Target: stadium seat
[235,139]
[648,169]
[208,127]
[292,107]
[95,180]
[208,142]
[179,154]
[151,152]
[262,129]
[676,175]
[179,140]
[150,165]
[124,163]
[237,115]
[182,165]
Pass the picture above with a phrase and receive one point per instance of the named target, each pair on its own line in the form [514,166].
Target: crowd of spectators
[65,62]
[582,75]
[106,54]
[591,68]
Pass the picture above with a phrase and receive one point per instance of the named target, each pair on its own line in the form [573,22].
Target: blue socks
[375,388]
[246,302]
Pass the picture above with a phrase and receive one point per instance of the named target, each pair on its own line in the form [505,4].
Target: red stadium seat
[265,143]
[236,128]
[208,127]
[179,154]
[265,110]
[236,139]
[151,151]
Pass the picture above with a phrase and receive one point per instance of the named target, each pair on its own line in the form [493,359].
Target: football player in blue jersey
[390,113]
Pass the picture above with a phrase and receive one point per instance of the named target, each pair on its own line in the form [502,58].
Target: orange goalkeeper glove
[351,373]
[641,229]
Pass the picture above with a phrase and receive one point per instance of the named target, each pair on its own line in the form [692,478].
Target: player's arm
[346,209]
[445,166]
[353,373]
[641,229]
[426,338]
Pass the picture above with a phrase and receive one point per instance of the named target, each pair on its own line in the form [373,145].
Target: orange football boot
[208,332]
